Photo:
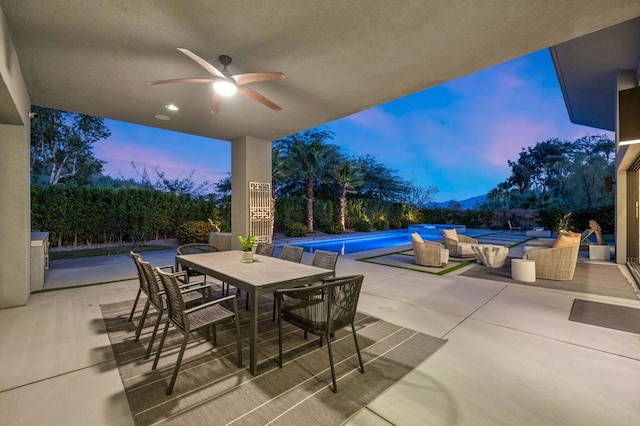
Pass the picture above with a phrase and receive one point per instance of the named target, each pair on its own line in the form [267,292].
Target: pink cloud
[119,154]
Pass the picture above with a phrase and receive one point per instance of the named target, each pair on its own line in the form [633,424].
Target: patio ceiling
[587,69]
[339,57]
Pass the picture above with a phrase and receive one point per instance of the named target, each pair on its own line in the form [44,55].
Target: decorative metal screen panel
[260,211]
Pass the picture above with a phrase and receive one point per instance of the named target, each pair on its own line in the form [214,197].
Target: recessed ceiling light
[163,117]
[171,107]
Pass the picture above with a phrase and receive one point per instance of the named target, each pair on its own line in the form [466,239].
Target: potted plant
[247,245]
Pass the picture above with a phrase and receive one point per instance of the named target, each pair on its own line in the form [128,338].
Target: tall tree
[558,172]
[62,146]
[381,182]
[308,161]
[348,177]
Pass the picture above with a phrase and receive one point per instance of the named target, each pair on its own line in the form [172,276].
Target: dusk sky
[456,137]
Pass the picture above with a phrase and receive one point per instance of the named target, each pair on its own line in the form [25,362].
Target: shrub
[363,225]
[296,229]
[381,224]
[395,224]
[195,231]
[333,228]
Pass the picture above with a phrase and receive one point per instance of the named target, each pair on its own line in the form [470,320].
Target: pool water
[354,245]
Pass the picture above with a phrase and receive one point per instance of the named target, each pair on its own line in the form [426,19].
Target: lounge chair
[513,228]
[458,245]
[428,253]
[559,261]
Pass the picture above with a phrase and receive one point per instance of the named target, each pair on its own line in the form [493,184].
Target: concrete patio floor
[512,358]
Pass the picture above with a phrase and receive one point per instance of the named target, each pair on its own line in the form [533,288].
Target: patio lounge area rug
[590,278]
[406,260]
[606,315]
[210,389]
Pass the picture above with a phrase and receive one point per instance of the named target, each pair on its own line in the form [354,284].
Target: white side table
[523,270]
[598,252]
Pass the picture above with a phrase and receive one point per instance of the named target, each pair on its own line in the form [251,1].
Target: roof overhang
[588,67]
[339,57]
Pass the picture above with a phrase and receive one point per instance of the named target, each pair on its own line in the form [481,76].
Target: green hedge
[85,215]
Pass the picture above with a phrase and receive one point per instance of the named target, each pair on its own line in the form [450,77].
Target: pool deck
[512,356]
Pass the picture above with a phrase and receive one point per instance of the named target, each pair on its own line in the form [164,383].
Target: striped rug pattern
[211,390]
[592,278]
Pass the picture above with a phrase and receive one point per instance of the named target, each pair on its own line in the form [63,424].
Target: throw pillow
[567,241]
[450,233]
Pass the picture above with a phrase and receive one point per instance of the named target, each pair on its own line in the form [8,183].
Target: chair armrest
[170,267]
[201,286]
[213,302]
[465,239]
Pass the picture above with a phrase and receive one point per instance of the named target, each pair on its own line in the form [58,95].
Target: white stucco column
[15,188]
[15,216]
[250,162]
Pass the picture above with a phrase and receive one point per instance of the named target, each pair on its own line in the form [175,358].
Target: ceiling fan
[225,84]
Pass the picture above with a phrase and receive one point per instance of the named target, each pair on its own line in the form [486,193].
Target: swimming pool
[357,244]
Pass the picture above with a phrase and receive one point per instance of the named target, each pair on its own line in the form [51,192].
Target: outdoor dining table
[262,276]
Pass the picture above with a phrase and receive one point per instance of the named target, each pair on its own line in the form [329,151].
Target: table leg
[253,334]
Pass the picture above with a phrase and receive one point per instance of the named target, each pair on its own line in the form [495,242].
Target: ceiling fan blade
[204,64]
[215,105]
[182,80]
[258,97]
[254,77]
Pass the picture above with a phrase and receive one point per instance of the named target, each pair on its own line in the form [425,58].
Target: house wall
[625,155]
[15,205]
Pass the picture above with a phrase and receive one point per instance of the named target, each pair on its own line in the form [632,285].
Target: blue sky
[457,136]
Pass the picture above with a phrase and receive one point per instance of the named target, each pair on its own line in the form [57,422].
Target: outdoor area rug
[407,260]
[591,278]
[210,389]
[606,315]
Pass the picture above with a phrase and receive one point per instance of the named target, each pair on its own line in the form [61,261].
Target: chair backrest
[291,253]
[265,249]
[196,248]
[325,259]
[175,303]
[343,294]
[323,308]
[154,285]
[141,277]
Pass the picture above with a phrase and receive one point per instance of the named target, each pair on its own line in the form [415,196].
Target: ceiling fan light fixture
[225,87]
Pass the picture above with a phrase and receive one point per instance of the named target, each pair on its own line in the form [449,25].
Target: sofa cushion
[567,241]
[450,233]
[416,237]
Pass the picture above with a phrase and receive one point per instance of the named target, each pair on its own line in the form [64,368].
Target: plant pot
[247,256]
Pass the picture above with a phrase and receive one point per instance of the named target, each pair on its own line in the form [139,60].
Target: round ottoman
[523,270]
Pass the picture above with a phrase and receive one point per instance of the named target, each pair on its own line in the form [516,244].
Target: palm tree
[308,160]
[348,176]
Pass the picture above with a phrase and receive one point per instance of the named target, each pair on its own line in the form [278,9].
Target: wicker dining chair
[321,259]
[196,248]
[185,321]
[144,288]
[292,253]
[190,293]
[265,249]
[321,310]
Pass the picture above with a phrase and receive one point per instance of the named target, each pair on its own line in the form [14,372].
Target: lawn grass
[103,251]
